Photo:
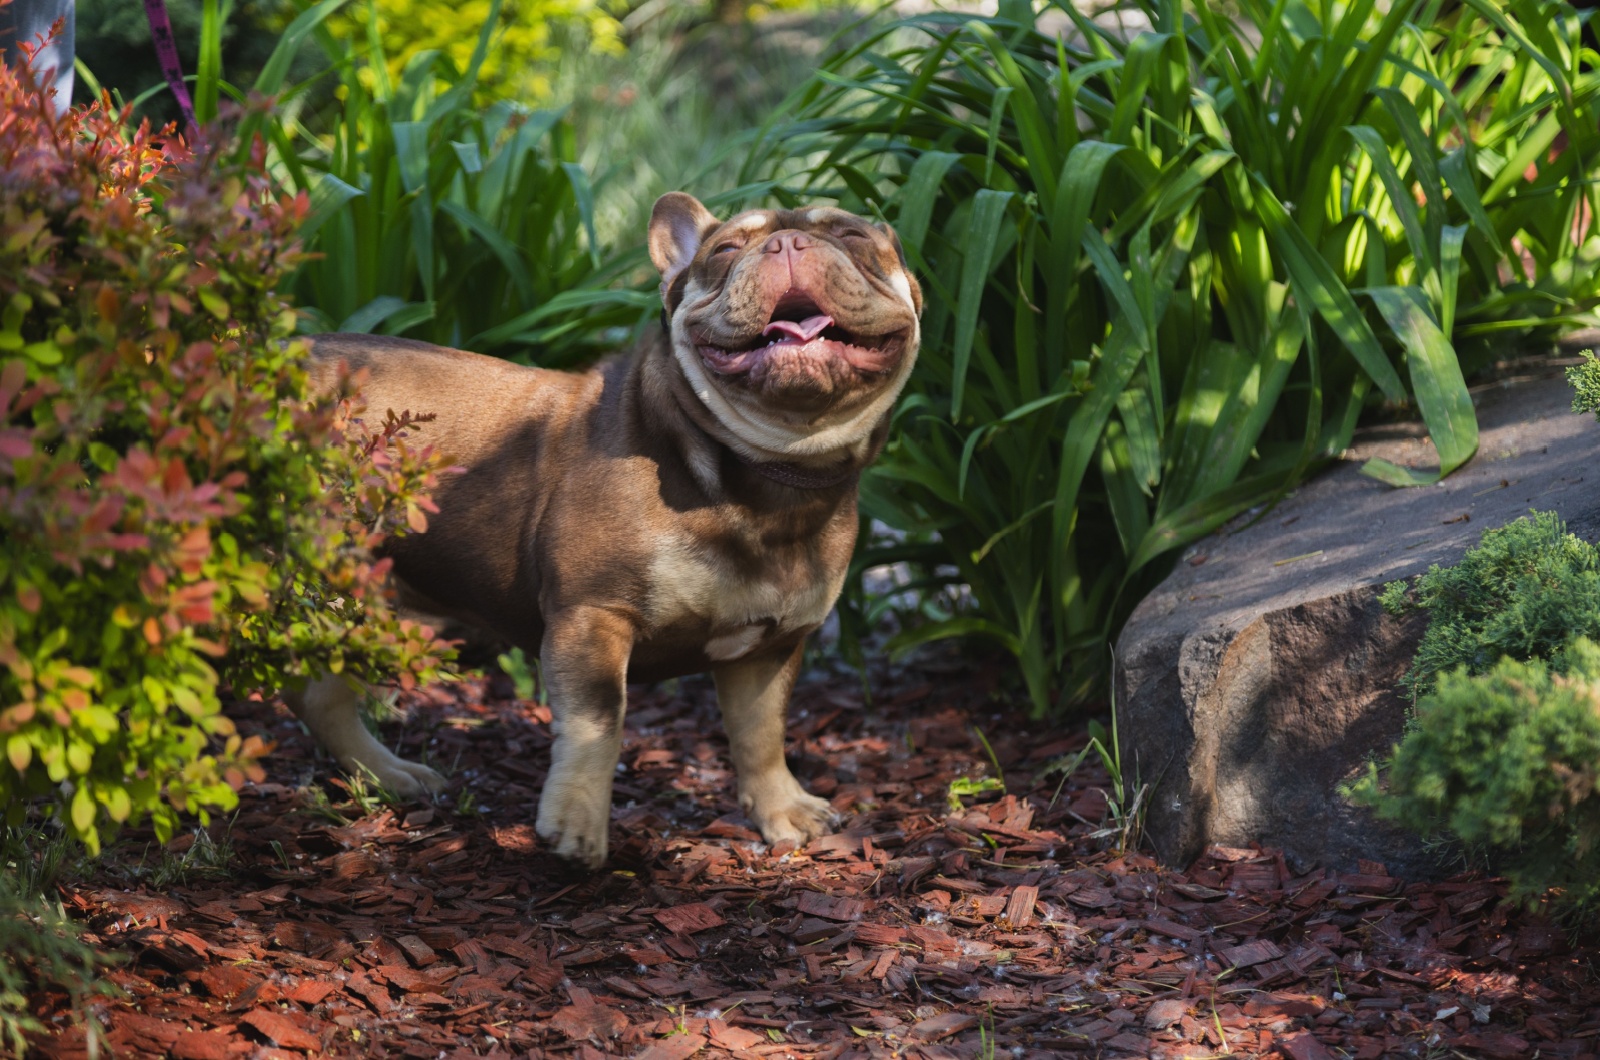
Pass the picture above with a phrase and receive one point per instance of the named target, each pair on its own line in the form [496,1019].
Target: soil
[1005,924]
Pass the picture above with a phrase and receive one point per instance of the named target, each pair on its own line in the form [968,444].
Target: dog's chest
[698,594]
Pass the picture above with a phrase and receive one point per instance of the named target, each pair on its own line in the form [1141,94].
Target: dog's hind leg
[331,708]
[585,660]
[754,696]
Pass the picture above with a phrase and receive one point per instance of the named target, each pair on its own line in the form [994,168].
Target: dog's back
[501,427]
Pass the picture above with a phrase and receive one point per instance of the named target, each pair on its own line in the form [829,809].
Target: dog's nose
[787,241]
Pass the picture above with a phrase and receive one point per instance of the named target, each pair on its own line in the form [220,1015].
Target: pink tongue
[804,330]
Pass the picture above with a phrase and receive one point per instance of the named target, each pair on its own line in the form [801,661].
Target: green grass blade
[208,71]
[584,196]
[1400,200]
[367,319]
[1457,176]
[276,69]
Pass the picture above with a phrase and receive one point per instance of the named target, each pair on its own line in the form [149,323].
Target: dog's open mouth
[800,329]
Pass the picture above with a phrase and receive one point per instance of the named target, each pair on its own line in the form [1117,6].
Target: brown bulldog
[688,507]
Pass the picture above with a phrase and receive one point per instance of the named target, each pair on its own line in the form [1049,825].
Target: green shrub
[170,500]
[1510,761]
[1166,274]
[438,220]
[1585,380]
[1523,592]
[526,41]
[1502,751]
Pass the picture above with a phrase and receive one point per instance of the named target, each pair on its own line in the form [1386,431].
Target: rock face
[1261,674]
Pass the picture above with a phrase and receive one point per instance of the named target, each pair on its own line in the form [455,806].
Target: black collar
[800,477]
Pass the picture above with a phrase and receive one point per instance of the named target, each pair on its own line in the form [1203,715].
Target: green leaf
[1399,194]
[276,68]
[1437,381]
[1458,178]
[118,805]
[215,304]
[983,232]
[917,196]
[583,194]
[208,71]
[960,626]
[1314,281]
[82,809]
[366,319]
[44,352]
[18,751]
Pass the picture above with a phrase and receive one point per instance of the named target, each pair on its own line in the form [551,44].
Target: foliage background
[1292,231]
[113,42]
[1167,275]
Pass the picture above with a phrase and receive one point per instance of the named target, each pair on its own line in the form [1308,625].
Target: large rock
[1261,674]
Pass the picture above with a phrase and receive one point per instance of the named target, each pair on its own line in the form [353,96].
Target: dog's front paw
[787,811]
[574,822]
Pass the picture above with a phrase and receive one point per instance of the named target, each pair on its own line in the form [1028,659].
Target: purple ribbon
[167,53]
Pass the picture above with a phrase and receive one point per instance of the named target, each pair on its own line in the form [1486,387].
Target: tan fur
[621,523]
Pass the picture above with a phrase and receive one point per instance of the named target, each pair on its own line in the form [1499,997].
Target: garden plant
[178,515]
[433,215]
[1169,271]
[1502,752]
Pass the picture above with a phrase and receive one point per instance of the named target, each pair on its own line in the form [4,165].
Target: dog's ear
[678,224]
[905,266]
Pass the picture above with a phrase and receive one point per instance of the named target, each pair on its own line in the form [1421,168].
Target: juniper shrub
[1509,762]
[1524,592]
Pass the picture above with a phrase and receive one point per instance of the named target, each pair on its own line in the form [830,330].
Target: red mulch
[999,930]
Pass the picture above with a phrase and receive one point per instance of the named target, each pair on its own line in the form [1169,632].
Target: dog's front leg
[754,697]
[585,662]
[330,706]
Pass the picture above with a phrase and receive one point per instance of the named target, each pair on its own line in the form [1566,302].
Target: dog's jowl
[690,506]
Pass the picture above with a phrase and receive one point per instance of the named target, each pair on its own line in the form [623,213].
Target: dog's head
[796,328]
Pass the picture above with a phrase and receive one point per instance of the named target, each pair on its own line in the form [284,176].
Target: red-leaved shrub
[176,513]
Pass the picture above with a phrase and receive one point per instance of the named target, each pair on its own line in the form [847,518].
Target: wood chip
[942,1026]
[829,908]
[420,952]
[281,1031]
[1251,953]
[202,1045]
[1019,910]
[687,919]
[1164,1014]
[675,1047]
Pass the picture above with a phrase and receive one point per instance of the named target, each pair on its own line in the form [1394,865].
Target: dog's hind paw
[406,780]
[413,780]
[795,815]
